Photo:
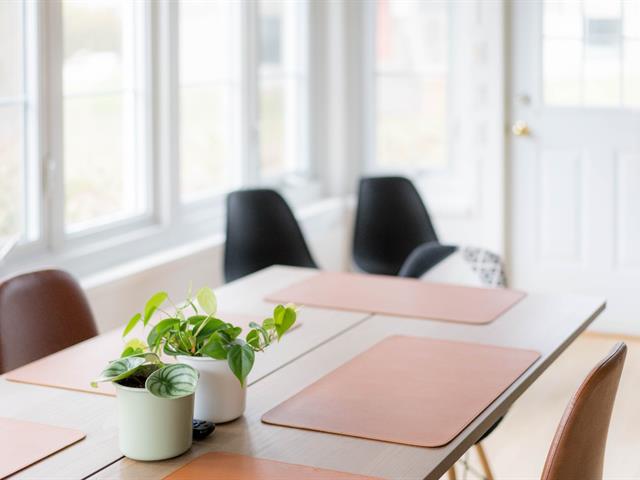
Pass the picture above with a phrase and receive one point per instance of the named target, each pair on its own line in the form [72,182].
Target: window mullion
[32,147]
[167,161]
[249,97]
[53,125]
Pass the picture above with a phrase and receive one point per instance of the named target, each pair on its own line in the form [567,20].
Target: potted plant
[195,336]
[155,404]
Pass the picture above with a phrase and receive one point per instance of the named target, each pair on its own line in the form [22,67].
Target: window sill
[150,247]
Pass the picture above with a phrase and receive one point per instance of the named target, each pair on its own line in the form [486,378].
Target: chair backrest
[261,231]
[40,313]
[391,221]
[578,447]
[472,266]
[425,257]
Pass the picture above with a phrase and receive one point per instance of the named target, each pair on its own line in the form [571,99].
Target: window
[103,95]
[209,88]
[411,64]
[283,81]
[18,159]
[253,88]
[152,111]
[591,53]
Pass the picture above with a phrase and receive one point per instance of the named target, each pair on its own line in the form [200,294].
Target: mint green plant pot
[153,428]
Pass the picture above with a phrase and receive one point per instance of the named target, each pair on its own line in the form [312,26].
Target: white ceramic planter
[152,428]
[219,396]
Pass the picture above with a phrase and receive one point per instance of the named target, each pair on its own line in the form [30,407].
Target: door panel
[575,177]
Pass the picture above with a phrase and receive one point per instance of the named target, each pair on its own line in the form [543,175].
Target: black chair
[391,221]
[423,258]
[262,231]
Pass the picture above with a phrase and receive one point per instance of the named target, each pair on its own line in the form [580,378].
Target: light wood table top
[96,414]
[546,323]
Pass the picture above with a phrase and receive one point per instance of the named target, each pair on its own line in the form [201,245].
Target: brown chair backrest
[40,313]
[577,451]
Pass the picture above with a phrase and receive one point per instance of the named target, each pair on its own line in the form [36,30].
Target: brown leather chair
[577,451]
[40,313]
[578,448]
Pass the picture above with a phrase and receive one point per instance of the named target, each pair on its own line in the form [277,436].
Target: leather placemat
[231,466]
[397,296]
[25,443]
[75,367]
[409,390]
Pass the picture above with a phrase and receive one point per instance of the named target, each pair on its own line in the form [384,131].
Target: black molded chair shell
[262,231]
[391,221]
[425,257]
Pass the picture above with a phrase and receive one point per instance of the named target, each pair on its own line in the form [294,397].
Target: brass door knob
[520,129]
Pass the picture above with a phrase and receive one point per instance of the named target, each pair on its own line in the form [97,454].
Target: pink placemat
[231,466]
[408,390]
[75,367]
[397,296]
[25,443]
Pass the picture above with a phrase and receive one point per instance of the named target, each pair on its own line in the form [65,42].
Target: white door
[575,152]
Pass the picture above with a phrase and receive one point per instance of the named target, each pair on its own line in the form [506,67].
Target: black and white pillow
[472,266]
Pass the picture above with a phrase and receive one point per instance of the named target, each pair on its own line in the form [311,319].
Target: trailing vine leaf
[287,319]
[153,304]
[278,313]
[240,359]
[207,300]
[253,339]
[134,346]
[119,369]
[266,337]
[131,324]
[269,323]
[173,381]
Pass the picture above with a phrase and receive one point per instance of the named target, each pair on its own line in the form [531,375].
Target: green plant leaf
[278,313]
[212,325]
[153,304]
[214,349]
[253,339]
[173,381]
[240,359]
[205,325]
[266,337]
[207,300]
[287,320]
[160,330]
[196,320]
[173,351]
[134,346]
[131,325]
[268,323]
[232,331]
[119,369]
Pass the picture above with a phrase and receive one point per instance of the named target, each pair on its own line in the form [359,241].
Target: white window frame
[453,192]
[168,222]
[298,186]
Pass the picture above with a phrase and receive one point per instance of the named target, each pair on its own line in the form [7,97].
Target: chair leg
[484,462]
[452,473]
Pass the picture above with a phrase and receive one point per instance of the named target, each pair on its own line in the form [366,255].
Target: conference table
[325,340]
